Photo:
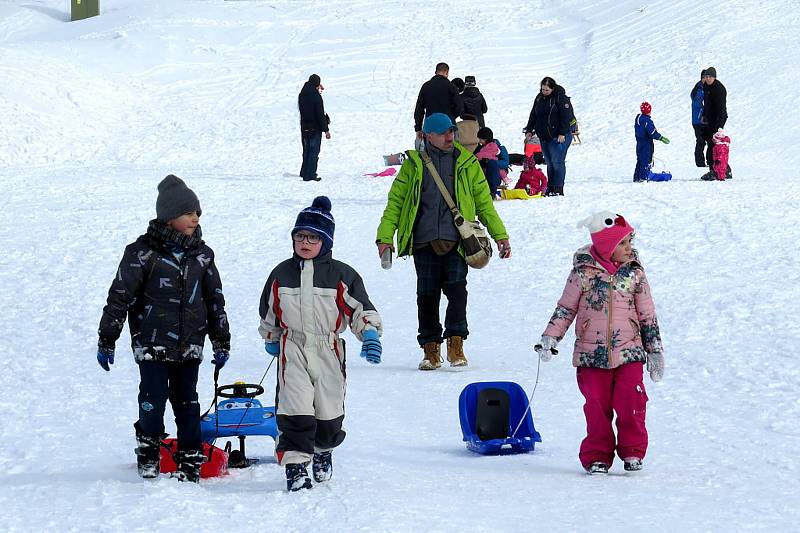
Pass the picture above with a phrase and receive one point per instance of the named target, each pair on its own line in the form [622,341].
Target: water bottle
[386,258]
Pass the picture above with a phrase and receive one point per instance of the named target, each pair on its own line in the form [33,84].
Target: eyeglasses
[311,238]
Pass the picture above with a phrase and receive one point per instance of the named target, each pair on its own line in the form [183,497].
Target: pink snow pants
[619,390]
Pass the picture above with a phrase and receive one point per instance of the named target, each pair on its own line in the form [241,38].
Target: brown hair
[548,81]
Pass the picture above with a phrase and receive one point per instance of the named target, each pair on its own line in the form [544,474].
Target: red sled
[216,463]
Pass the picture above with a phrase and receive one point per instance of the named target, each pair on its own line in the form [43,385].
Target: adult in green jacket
[418,213]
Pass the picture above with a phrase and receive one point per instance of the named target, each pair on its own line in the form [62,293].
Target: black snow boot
[633,464]
[597,468]
[148,455]
[297,477]
[322,466]
[189,465]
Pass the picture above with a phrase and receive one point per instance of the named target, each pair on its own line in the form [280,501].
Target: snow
[96,112]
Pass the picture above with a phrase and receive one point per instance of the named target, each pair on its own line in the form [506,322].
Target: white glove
[655,365]
[546,348]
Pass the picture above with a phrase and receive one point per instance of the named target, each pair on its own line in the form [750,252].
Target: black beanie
[314,80]
[485,134]
[469,81]
[459,83]
[711,71]
[175,199]
[318,219]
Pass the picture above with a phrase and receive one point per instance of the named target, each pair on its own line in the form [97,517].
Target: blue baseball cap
[438,123]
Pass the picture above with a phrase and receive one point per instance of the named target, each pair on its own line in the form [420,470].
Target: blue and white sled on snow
[490,412]
[239,415]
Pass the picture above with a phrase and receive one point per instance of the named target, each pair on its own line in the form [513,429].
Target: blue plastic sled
[489,413]
[239,415]
[659,176]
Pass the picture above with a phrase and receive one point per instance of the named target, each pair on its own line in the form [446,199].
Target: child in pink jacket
[616,330]
[720,154]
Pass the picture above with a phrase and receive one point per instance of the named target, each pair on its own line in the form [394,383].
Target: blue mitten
[105,353]
[220,357]
[273,348]
[371,346]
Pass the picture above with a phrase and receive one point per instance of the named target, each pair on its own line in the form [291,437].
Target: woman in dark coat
[550,120]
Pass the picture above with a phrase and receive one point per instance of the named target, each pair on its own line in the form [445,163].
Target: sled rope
[530,400]
[250,403]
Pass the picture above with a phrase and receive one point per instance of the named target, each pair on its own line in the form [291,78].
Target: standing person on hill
[313,123]
[715,115]
[418,213]
[474,102]
[608,297]
[467,133]
[307,302]
[645,131]
[697,95]
[437,95]
[168,289]
[550,120]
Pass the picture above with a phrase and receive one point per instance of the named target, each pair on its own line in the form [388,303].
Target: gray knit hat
[175,199]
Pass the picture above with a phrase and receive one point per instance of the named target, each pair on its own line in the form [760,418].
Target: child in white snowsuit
[308,300]
[169,289]
[608,297]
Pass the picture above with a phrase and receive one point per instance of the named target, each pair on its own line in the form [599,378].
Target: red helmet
[645,108]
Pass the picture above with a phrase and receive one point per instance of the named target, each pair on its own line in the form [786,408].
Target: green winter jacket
[472,197]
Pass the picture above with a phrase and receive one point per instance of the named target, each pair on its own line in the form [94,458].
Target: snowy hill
[96,112]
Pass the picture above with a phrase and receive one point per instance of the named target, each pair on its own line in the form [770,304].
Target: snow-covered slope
[96,112]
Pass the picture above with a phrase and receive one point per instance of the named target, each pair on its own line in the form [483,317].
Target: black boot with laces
[297,477]
[322,466]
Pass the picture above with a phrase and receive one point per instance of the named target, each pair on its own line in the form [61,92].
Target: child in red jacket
[531,179]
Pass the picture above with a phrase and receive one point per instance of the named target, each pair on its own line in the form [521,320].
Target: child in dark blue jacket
[646,133]
[169,291]
[493,158]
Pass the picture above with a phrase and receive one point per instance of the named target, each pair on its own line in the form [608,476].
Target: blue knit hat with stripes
[318,219]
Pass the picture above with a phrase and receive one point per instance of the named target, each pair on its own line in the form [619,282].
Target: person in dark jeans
[313,123]
[417,212]
[550,120]
[715,115]
[168,289]
[697,95]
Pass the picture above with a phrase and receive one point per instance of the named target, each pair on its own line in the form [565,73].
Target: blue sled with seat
[238,415]
[490,412]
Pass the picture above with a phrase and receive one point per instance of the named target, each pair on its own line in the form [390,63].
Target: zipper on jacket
[610,316]
[181,310]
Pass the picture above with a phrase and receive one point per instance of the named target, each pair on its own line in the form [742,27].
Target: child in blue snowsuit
[646,133]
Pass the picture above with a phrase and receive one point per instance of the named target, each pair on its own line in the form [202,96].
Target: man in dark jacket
[698,95]
[313,123]
[715,111]
[474,103]
[437,95]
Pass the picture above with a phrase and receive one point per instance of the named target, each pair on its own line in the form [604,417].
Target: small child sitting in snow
[308,300]
[531,179]
[616,332]
[720,154]
[493,158]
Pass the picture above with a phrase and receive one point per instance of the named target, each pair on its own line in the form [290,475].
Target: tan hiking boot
[432,359]
[455,351]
